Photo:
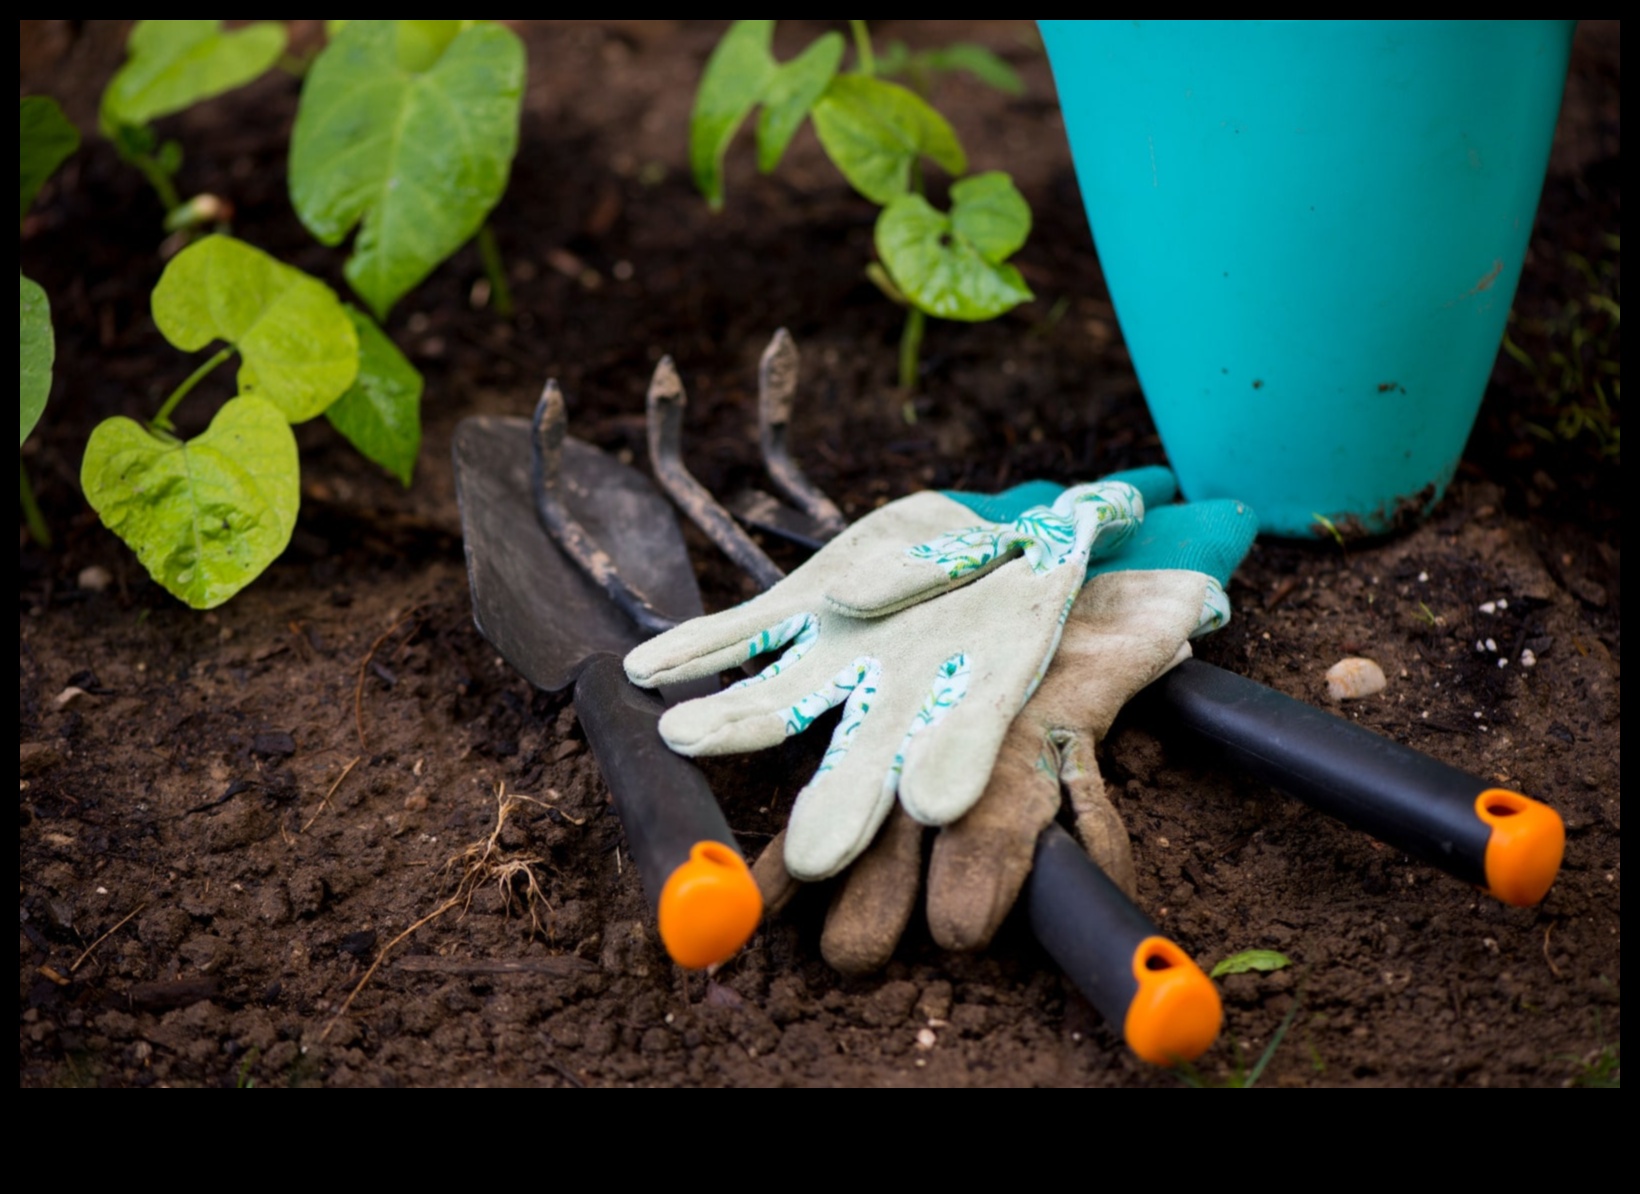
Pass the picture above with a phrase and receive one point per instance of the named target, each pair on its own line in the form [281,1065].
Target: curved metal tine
[776,393]
[547,432]
[666,404]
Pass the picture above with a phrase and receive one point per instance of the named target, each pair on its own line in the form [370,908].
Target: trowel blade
[529,600]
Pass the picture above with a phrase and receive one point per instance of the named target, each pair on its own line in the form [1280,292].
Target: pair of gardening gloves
[980,647]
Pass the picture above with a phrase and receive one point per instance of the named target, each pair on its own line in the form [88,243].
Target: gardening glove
[1130,624]
[930,629]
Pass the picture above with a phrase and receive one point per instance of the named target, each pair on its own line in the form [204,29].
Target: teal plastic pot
[1312,232]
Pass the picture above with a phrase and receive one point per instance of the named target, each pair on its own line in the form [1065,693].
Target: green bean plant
[405,132]
[170,66]
[45,141]
[879,134]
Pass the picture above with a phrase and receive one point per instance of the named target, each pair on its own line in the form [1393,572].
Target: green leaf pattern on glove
[853,687]
[802,631]
[1049,536]
[1215,609]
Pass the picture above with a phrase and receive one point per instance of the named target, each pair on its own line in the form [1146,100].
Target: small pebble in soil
[1354,679]
[95,579]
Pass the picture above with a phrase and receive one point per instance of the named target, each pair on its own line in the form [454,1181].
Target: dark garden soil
[224,818]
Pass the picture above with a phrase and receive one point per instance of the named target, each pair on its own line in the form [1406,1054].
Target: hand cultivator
[574,561]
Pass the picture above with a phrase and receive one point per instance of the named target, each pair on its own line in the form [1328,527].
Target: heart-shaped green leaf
[205,517]
[45,139]
[737,74]
[298,345]
[420,158]
[796,87]
[1262,961]
[875,132]
[36,349]
[381,414]
[420,42]
[174,65]
[955,266]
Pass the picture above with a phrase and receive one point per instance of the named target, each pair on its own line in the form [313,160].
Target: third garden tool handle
[1143,984]
[1499,840]
[701,889]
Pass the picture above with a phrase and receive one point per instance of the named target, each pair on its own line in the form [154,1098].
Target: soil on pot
[225,818]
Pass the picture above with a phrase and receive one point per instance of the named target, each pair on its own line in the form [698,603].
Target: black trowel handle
[703,894]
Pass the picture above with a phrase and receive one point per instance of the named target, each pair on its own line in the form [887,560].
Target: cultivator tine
[666,405]
[816,519]
[549,427]
[776,394]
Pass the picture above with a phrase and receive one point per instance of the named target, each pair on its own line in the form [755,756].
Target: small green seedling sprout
[951,265]
[1253,961]
[170,67]
[407,132]
[1243,1077]
[1330,528]
[45,140]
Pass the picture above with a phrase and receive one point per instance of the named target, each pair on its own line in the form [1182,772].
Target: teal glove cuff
[1154,483]
[1208,537]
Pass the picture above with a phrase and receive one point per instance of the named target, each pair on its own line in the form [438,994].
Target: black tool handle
[1144,985]
[1400,796]
[697,882]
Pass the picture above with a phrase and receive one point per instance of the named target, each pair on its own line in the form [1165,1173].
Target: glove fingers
[706,646]
[1098,824]
[980,863]
[875,903]
[1050,537]
[839,812]
[764,712]
[774,882]
[952,748]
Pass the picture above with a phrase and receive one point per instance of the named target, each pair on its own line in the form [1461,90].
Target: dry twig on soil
[479,865]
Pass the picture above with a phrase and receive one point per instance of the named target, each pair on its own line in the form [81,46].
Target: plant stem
[496,270]
[37,528]
[862,47]
[163,419]
[159,180]
[911,347]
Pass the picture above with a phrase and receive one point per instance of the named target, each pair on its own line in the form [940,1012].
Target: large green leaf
[954,266]
[420,159]
[174,65]
[875,132]
[36,349]
[737,74]
[45,139]
[205,517]
[419,43]
[298,347]
[795,89]
[381,414]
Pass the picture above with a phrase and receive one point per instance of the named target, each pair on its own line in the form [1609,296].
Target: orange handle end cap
[709,908]
[1527,846]
[1176,1016]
